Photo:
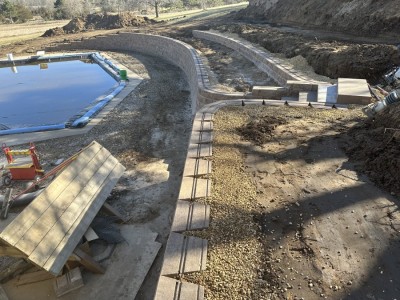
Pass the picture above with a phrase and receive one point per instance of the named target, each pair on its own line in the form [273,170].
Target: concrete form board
[184,254]
[353,91]
[172,289]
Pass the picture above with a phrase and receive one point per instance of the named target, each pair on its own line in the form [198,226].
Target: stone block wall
[176,52]
[274,67]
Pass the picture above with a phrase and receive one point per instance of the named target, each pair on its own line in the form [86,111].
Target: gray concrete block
[353,91]
[190,216]
[201,137]
[184,254]
[196,167]
[172,289]
[194,188]
[199,150]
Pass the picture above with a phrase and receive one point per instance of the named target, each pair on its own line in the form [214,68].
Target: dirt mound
[367,17]
[260,131]
[53,32]
[100,21]
[76,25]
[107,21]
[329,58]
[376,146]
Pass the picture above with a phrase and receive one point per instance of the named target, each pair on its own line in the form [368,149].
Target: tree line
[19,11]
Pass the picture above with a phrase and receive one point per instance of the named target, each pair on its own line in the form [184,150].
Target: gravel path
[291,219]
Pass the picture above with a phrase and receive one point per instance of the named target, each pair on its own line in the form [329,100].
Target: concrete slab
[190,216]
[194,188]
[184,254]
[195,167]
[169,288]
[353,91]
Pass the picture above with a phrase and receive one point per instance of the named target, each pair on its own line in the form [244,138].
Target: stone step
[353,91]
[172,289]
[194,188]
[184,254]
[190,216]
[199,150]
[206,117]
[327,93]
[195,167]
[308,96]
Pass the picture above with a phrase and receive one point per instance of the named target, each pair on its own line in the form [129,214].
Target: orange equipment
[26,166]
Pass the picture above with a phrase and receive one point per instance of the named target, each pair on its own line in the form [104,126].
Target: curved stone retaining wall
[176,52]
[275,68]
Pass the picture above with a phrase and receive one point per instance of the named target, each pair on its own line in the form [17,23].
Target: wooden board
[68,206]
[13,233]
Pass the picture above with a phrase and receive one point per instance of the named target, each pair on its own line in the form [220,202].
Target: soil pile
[99,21]
[367,17]
[261,131]
[376,145]
[329,58]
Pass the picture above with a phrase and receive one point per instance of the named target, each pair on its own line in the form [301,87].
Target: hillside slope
[366,17]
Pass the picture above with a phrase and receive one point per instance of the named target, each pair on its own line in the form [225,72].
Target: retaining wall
[176,52]
[275,68]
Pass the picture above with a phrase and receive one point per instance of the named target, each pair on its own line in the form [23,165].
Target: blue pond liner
[32,129]
[111,69]
[82,121]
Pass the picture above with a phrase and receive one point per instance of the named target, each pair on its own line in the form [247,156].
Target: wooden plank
[50,217]
[33,277]
[11,251]
[14,269]
[112,211]
[6,203]
[90,235]
[71,239]
[68,282]
[27,217]
[3,295]
[75,211]
[88,262]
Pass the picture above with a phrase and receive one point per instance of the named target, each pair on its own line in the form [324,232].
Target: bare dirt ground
[148,133]
[290,218]
[11,33]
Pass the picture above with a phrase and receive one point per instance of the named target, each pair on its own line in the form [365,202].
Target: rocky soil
[290,217]
[376,148]
[366,17]
[328,58]
[100,21]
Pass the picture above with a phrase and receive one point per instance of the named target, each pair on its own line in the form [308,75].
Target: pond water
[49,93]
